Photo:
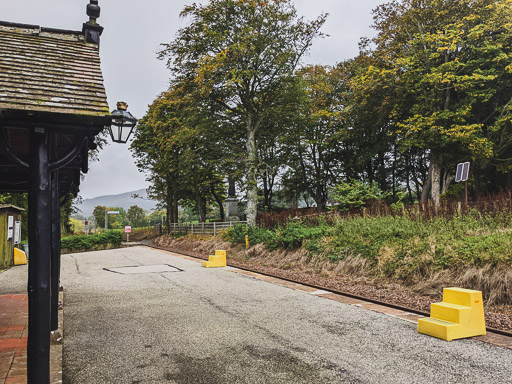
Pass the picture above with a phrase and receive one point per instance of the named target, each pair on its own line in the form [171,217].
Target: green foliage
[137,217]
[238,59]
[401,247]
[293,235]
[237,233]
[290,236]
[431,89]
[355,194]
[99,215]
[82,242]
[155,217]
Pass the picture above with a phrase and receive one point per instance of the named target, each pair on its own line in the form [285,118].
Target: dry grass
[494,282]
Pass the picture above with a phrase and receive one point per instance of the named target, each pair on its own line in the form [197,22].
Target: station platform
[13,338]
[139,315]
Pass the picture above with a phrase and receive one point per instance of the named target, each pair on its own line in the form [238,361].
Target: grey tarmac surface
[203,325]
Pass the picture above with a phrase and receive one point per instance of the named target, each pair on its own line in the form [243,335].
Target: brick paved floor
[13,342]
[13,338]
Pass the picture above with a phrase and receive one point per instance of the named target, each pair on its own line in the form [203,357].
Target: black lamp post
[122,125]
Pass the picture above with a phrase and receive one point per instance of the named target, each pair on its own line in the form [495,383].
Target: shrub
[355,194]
[237,233]
[88,242]
[292,235]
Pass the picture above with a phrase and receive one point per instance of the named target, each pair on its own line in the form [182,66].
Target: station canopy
[49,79]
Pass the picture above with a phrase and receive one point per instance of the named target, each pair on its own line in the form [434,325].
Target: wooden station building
[52,107]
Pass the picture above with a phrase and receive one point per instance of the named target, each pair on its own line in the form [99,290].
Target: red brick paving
[13,338]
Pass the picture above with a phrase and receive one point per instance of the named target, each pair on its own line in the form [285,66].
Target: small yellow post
[246,242]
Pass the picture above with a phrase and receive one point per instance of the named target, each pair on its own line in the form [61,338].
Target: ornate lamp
[123,123]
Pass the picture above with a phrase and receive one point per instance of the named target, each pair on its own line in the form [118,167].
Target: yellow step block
[460,315]
[216,261]
[450,312]
[20,258]
[441,329]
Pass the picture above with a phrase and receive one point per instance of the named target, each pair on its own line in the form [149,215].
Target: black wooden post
[55,227]
[38,348]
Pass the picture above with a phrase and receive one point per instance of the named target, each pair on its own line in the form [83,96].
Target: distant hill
[124,200]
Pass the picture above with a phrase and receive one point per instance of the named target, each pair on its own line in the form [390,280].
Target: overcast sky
[133,31]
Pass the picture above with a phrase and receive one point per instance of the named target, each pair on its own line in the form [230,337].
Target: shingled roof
[50,70]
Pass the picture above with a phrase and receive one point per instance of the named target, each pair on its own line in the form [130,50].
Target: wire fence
[202,228]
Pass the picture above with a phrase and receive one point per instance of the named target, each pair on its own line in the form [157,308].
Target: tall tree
[242,55]
[137,216]
[312,139]
[451,61]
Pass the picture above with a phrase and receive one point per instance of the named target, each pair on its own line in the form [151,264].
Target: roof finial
[122,105]
[93,11]
[92,30]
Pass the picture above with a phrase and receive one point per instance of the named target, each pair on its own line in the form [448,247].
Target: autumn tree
[241,54]
[450,60]
[180,146]
[310,139]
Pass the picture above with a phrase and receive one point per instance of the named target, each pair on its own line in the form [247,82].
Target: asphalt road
[202,325]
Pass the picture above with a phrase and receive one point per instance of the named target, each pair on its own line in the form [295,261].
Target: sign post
[86,225]
[106,217]
[127,230]
[463,175]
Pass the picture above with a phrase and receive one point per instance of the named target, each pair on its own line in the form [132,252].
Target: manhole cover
[159,268]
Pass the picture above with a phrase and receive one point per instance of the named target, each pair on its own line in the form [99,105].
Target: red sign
[127,229]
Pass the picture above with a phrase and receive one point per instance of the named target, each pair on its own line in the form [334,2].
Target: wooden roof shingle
[50,70]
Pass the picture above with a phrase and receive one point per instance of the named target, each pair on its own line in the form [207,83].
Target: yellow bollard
[246,242]
[459,315]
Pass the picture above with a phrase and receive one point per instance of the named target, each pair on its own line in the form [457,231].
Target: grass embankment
[140,234]
[473,250]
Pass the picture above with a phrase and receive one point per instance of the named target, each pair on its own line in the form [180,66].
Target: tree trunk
[320,199]
[435,164]
[265,192]
[447,180]
[169,212]
[306,200]
[219,202]
[252,164]
[427,184]
[201,211]
[176,208]
[407,178]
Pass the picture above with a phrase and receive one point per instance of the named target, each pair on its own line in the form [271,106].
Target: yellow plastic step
[20,258]
[462,296]
[450,312]
[460,315]
[441,329]
[216,261]
[220,253]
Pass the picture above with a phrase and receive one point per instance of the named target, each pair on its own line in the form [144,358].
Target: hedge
[88,242]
